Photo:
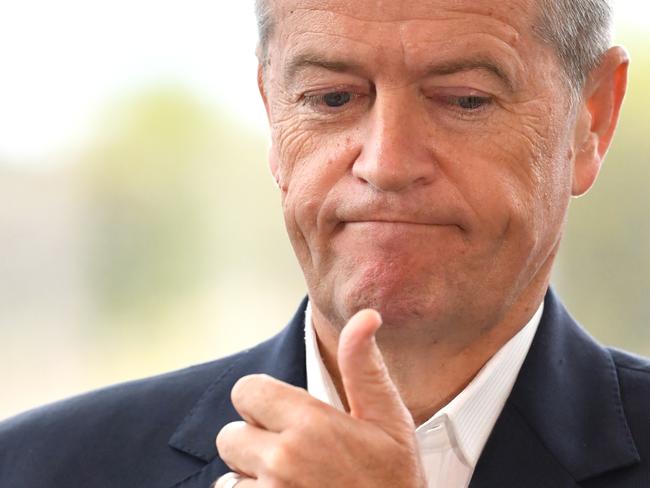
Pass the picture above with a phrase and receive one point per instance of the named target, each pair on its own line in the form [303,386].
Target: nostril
[395,174]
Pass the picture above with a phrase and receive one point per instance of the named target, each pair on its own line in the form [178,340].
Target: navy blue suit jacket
[579,415]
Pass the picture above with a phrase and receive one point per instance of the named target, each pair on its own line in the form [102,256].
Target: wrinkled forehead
[404,30]
[402,9]
[519,14]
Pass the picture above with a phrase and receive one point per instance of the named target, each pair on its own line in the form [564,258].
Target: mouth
[399,223]
[406,214]
[390,221]
[396,229]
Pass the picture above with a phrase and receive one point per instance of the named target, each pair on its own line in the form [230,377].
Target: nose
[396,152]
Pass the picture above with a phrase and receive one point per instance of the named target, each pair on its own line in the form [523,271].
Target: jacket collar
[282,357]
[563,422]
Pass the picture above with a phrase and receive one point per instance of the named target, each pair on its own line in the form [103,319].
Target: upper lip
[402,214]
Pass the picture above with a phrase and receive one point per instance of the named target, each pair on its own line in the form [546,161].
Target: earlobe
[586,166]
[602,99]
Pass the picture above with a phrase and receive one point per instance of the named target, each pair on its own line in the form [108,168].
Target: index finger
[269,403]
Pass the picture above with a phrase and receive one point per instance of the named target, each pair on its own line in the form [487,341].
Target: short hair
[265,24]
[580,31]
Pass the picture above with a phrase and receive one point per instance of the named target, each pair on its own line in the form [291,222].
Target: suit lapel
[515,457]
[563,422]
[282,357]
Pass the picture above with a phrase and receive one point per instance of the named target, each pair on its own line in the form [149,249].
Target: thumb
[371,394]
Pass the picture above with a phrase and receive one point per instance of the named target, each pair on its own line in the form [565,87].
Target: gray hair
[264,15]
[580,31]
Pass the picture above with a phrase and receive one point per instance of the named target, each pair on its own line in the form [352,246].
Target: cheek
[311,166]
[524,201]
[301,206]
[508,179]
[305,145]
[291,145]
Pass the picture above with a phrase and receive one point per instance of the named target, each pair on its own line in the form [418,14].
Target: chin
[407,286]
[399,297]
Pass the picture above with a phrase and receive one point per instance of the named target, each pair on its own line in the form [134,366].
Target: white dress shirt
[451,441]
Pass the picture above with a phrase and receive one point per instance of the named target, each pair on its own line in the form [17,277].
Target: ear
[597,117]
[274,165]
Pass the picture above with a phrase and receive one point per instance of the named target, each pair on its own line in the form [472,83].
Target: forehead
[380,30]
[518,14]
[383,10]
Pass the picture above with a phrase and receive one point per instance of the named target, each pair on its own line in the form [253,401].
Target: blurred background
[139,222]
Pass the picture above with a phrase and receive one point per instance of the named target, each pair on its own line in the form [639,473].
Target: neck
[453,362]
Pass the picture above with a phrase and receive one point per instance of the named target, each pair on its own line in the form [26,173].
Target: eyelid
[314,98]
[448,98]
[355,90]
[456,91]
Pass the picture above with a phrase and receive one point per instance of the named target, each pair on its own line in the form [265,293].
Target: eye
[336,99]
[465,104]
[329,100]
[462,101]
[470,102]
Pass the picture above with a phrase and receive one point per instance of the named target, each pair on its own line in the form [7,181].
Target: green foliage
[176,198]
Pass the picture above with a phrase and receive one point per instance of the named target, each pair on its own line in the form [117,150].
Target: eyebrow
[304,61]
[470,64]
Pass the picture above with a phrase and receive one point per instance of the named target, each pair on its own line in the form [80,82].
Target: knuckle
[249,385]
[242,386]
[280,460]
[311,416]
[226,436]
[277,459]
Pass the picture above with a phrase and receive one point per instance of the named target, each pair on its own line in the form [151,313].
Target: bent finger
[270,403]
[243,446]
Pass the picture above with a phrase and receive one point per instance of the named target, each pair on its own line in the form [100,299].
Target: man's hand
[291,439]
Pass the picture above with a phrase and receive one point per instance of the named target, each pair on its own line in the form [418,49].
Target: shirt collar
[319,381]
[471,415]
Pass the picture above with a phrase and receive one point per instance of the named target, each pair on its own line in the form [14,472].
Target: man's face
[424,151]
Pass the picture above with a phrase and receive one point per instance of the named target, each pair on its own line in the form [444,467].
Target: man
[426,153]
